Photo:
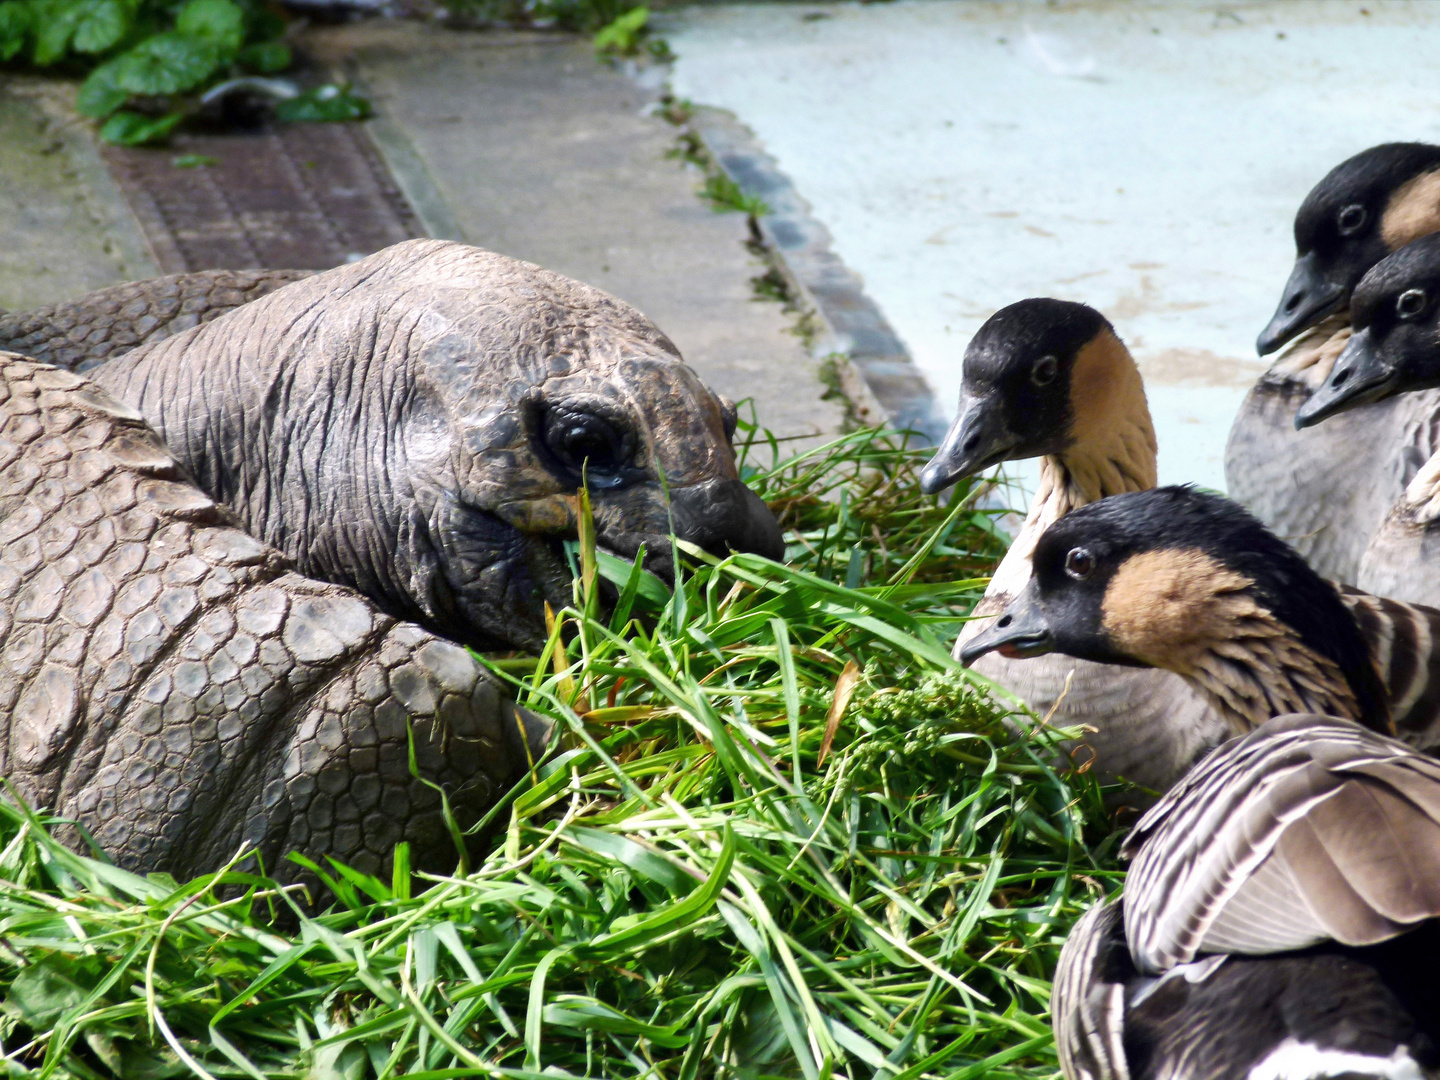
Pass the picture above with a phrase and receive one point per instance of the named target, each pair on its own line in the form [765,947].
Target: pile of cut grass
[781,835]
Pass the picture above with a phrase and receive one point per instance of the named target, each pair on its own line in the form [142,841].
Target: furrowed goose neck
[1368,206]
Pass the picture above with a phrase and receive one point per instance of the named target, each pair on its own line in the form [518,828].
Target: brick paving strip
[304,196]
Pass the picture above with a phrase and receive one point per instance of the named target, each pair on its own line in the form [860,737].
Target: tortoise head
[433,412]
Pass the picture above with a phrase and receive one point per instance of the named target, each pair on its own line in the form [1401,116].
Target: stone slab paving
[528,147]
[1145,158]
[64,230]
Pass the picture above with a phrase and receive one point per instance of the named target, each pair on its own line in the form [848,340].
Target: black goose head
[1366,207]
[1144,579]
[1394,344]
[1018,395]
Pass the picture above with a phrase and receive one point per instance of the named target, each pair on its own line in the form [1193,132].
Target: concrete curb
[876,371]
[123,231]
[406,165]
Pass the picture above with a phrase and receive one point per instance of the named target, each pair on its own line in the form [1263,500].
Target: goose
[1395,351]
[1051,379]
[1279,916]
[1368,206]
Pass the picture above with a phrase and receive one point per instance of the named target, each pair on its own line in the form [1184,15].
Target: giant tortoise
[238,560]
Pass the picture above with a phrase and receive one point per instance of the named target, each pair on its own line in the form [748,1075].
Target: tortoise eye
[1079,563]
[1044,371]
[587,444]
[1351,219]
[1410,303]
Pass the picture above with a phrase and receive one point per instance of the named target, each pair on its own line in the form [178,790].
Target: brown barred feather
[1404,642]
[1089,999]
[1311,807]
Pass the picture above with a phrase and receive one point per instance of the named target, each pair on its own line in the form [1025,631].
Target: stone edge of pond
[875,369]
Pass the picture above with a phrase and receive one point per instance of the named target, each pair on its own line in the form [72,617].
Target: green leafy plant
[324,104]
[619,27]
[781,834]
[149,59]
[622,35]
[725,194]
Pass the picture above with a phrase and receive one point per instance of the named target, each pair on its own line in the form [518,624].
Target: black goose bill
[976,440]
[1308,298]
[1365,208]
[1360,376]
[1023,630]
[1395,346]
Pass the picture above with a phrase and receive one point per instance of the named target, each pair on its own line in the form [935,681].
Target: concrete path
[64,230]
[1144,158]
[537,151]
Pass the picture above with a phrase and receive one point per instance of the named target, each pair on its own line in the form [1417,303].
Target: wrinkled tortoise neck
[306,456]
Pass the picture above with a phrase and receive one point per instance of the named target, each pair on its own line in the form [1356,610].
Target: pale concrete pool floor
[1144,158]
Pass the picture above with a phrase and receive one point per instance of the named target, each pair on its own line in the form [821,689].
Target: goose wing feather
[1089,1001]
[1307,819]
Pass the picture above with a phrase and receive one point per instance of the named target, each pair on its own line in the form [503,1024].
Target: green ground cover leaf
[17,20]
[265,57]
[220,22]
[143,50]
[167,64]
[135,129]
[100,24]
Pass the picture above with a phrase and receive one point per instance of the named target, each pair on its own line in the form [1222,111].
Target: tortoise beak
[723,516]
[1307,299]
[1358,378]
[978,439]
[1020,632]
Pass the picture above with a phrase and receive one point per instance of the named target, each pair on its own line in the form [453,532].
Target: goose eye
[1079,563]
[1410,303]
[1351,219]
[1044,371]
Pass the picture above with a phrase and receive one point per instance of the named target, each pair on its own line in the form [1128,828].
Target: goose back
[1309,829]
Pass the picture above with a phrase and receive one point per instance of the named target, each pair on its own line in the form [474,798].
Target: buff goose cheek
[1050,379]
[1395,355]
[1367,207]
[1279,915]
